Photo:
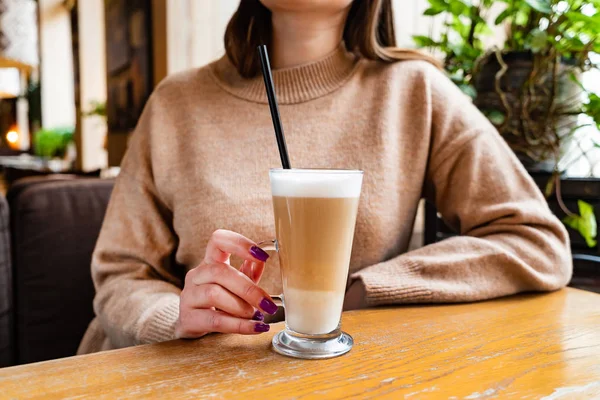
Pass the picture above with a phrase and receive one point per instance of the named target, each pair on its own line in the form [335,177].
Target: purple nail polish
[268,306]
[258,316]
[260,327]
[259,253]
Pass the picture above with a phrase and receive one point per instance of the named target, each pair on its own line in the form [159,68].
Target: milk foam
[313,311]
[316,183]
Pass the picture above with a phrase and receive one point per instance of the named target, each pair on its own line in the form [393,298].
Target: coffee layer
[315,240]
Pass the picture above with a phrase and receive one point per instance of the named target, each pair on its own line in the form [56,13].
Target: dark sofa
[48,229]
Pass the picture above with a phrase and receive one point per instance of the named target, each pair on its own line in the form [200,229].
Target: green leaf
[469,90]
[542,6]
[521,17]
[424,41]
[536,41]
[456,48]
[457,7]
[572,221]
[483,29]
[503,15]
[591,107]
[458,76]
[586,210]
[593,20]
[575,79]
[550,186]
[585,223]
[431,11]
[496,117]
[438,3]
[587,227]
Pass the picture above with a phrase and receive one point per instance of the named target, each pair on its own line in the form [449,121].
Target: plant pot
[533,103]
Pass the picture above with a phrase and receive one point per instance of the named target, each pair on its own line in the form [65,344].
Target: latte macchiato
[315,215]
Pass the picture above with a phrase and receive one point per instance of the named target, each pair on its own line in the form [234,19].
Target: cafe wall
[92,79]
[58,95]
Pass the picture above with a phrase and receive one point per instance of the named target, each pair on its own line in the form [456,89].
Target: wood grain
[525,347]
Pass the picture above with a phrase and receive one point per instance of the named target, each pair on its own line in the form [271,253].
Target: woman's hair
[369,31]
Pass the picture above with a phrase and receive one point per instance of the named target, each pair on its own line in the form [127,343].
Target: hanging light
[13,138]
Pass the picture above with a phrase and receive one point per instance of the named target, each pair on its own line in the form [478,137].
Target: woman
[194,185]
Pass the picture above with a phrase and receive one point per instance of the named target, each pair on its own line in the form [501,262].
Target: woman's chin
[307,5]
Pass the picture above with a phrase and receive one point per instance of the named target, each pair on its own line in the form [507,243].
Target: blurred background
[75,75]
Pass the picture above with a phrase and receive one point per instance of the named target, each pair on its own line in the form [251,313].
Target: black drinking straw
[266,70]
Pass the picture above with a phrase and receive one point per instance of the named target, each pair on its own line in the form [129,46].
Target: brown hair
[369,31]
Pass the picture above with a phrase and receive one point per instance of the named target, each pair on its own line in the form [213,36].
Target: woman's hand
[217,297]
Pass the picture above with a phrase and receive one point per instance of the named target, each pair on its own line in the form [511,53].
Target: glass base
[288,344]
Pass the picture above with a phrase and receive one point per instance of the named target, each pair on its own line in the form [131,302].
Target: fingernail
[259,253]
[268,306]
[258,316]
[260,327]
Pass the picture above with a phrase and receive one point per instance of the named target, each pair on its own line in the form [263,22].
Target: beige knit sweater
[199,161]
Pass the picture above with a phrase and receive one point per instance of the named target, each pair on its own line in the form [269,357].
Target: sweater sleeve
[137,287]
[509,241]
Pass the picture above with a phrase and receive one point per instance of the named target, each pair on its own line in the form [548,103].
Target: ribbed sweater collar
[292,85]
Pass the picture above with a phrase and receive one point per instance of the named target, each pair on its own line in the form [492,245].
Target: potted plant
[529,87]
[53,144]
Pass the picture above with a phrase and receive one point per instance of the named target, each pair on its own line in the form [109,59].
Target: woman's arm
[137,286]
[509,240]
[141,293]
[137,289]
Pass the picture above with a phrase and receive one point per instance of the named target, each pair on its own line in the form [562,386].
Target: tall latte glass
[315,214]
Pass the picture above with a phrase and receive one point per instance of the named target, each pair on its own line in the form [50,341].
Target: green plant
[559,39]
[584,223]
[52,143]
[564,29]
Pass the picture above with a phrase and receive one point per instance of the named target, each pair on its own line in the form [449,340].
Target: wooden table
[527,346]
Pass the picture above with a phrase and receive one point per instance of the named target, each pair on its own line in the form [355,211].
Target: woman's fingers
[198,322]
[213,295]
[257,271]
[217,297]
[235,282]
[253,270]
[223,244]
[246,269]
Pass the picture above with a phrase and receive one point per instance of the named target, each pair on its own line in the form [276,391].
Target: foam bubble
[316,183]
